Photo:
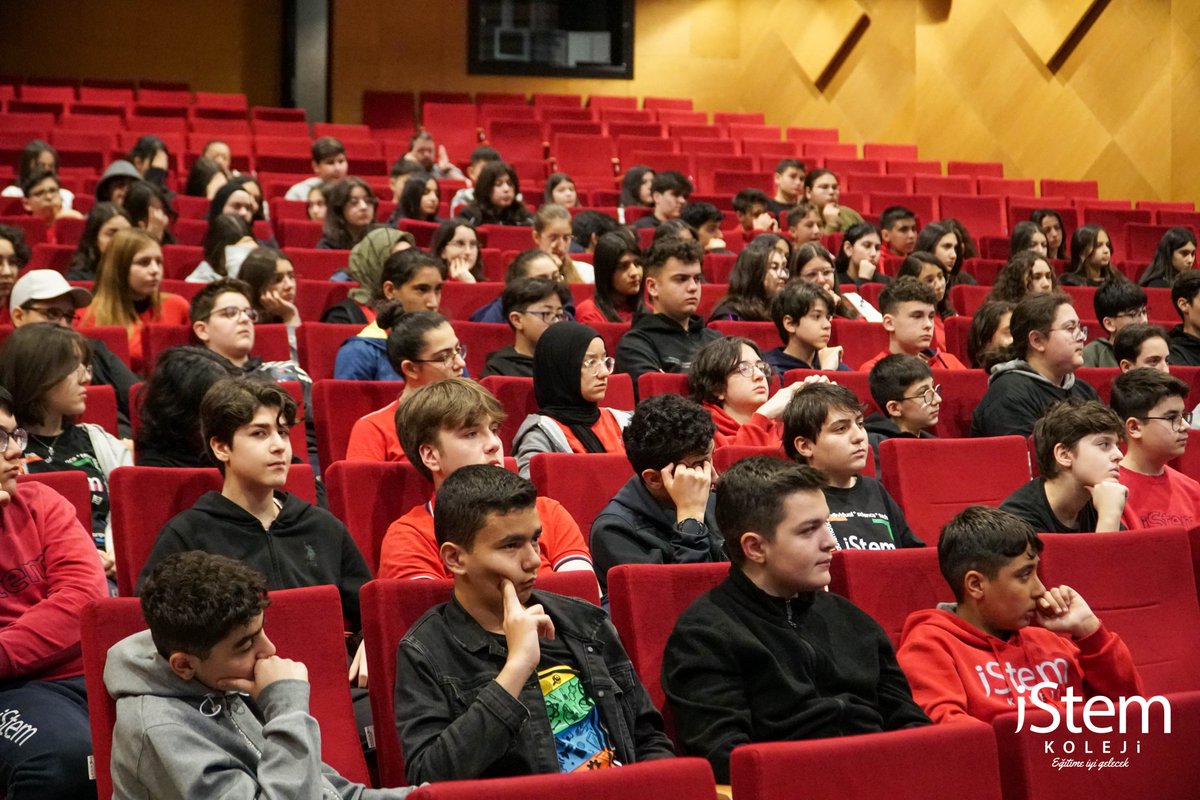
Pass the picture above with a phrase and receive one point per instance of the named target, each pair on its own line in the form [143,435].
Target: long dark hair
[411,195]
[855,232]
[1083,244]
[810,251]
[443,236]
[931,234]
[489,213]
[336,230]
[984,325]
[747,298]
[1012,284]
[914,264]
[1041,214]
[258,272]
[86,259]
[140,199]
[631,186]
[170,401]
[34,359]
[610,249]
[223,231]
[1161,267]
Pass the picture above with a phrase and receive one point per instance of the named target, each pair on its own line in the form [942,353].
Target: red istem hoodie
[958,671]
[758,432]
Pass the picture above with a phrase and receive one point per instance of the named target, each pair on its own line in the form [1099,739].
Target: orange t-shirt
[373,437]
[607,430]
[410,548]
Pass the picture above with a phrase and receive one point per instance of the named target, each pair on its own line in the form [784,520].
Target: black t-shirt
[865,517]
[1030,504]
[775,207]
[72,450]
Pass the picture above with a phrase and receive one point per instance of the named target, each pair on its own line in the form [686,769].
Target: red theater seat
[890,584]
[582,482]
[337,405]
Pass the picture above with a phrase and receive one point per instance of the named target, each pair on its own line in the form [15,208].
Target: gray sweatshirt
[176,738]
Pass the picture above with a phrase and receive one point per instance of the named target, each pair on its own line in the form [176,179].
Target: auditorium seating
[667,779]
[389,609]
[582,482]
[890,584]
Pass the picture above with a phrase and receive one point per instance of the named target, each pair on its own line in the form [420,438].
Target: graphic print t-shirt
[579,735]
[73,451]
[865,517]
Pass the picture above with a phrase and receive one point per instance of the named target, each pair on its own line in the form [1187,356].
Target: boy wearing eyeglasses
[823,427]
[909,308]
[1118,303]
[530,306]
[1151,405]
[1078,456]
[908,399]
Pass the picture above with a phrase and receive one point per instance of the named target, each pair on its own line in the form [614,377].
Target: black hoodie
[880,427]
[1017,397]
[305,545]
[1185,348]
[743,666]
[657,343]
[507,361]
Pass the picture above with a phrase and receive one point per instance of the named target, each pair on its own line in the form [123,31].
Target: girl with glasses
[733,383]
[760,271]
[570,377]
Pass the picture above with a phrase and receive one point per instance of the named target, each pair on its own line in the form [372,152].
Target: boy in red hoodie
[1007,634]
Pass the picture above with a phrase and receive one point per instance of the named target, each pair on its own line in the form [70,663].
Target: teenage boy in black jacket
[1185,337]
[293,543]
[667,339]
[767,655]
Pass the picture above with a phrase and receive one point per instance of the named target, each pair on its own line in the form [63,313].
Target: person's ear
[754,547]
[18,316]
[1108,324]
[847,248]
[790,324]
[453,558]
[316,166]
[200,328]
[220,450]
[1125,364]
[804,447]
[974,585]
[650,285]
[430,457]
[516,320]
[889,323]
[409,369]
[1037,341]
[182,664]
[1063,456]
[652,478]
[1133,427]
[893,408]
[389,290]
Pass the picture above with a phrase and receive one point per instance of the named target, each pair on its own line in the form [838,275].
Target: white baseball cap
[46,284]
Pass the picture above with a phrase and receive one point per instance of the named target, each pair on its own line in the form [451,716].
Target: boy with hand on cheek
[768,655]
[1150,403]
[823,427]
[503,680]
[1078,457]
[1008,635]
[802,315]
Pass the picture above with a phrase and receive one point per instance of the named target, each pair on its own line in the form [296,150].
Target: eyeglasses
[19,436]
[53,314]
[84,371]
[548,317]
[593,365]
[1178,422]
[1074,330]
[929,396]
[1134,313]
[445,358]
[747,368]
[45,194]
[233,312]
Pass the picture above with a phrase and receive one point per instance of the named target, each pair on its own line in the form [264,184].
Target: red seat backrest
[934,479]
[860,340]
[174,490]
[582,482]
[645,600]
[663,778]
[763,334]
[389,609]
[854,381]
[962,389]
[1149,600]
[653,383]
[71,484]
[305,624]
[101,408]
[460,300]
[319,343]
[890,584]
[270,341]
[337,405]
[965,755]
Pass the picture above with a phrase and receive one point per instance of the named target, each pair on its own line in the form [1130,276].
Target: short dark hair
[1066,423]
[520,294]
[1127,343]
[664,429]
[588,224]
[699,214]
[985,540]
[713,365]
[746,199]
[204,301]
[808,409]
[893,214]
[892,377]
[751,495]
[193,600]
[16,237]
[671,181]
[36,176]
[787,163]
[404,166]
[1116,295]
[1186,287]
[406,331]
[484,154]
[470,494]
[327,147]
[445,405]
[233,402]
[1033,313]
[799,212]
[686,250]
[796,299]
[906,289]
[1136,392]
[518,266]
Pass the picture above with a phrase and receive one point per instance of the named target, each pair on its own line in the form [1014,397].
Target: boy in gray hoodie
[205,707]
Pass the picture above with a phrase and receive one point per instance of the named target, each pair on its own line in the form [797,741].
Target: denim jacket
[456,722]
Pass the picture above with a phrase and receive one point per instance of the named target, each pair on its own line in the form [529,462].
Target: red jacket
[957,671]
[758,432]
[49,570]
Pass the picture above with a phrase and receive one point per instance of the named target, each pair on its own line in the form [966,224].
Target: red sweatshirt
[758,432]
[48,572]
[957,671]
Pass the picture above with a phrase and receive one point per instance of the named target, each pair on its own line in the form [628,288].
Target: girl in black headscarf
[570,376]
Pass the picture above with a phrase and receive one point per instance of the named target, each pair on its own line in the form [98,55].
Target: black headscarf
[557,361]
